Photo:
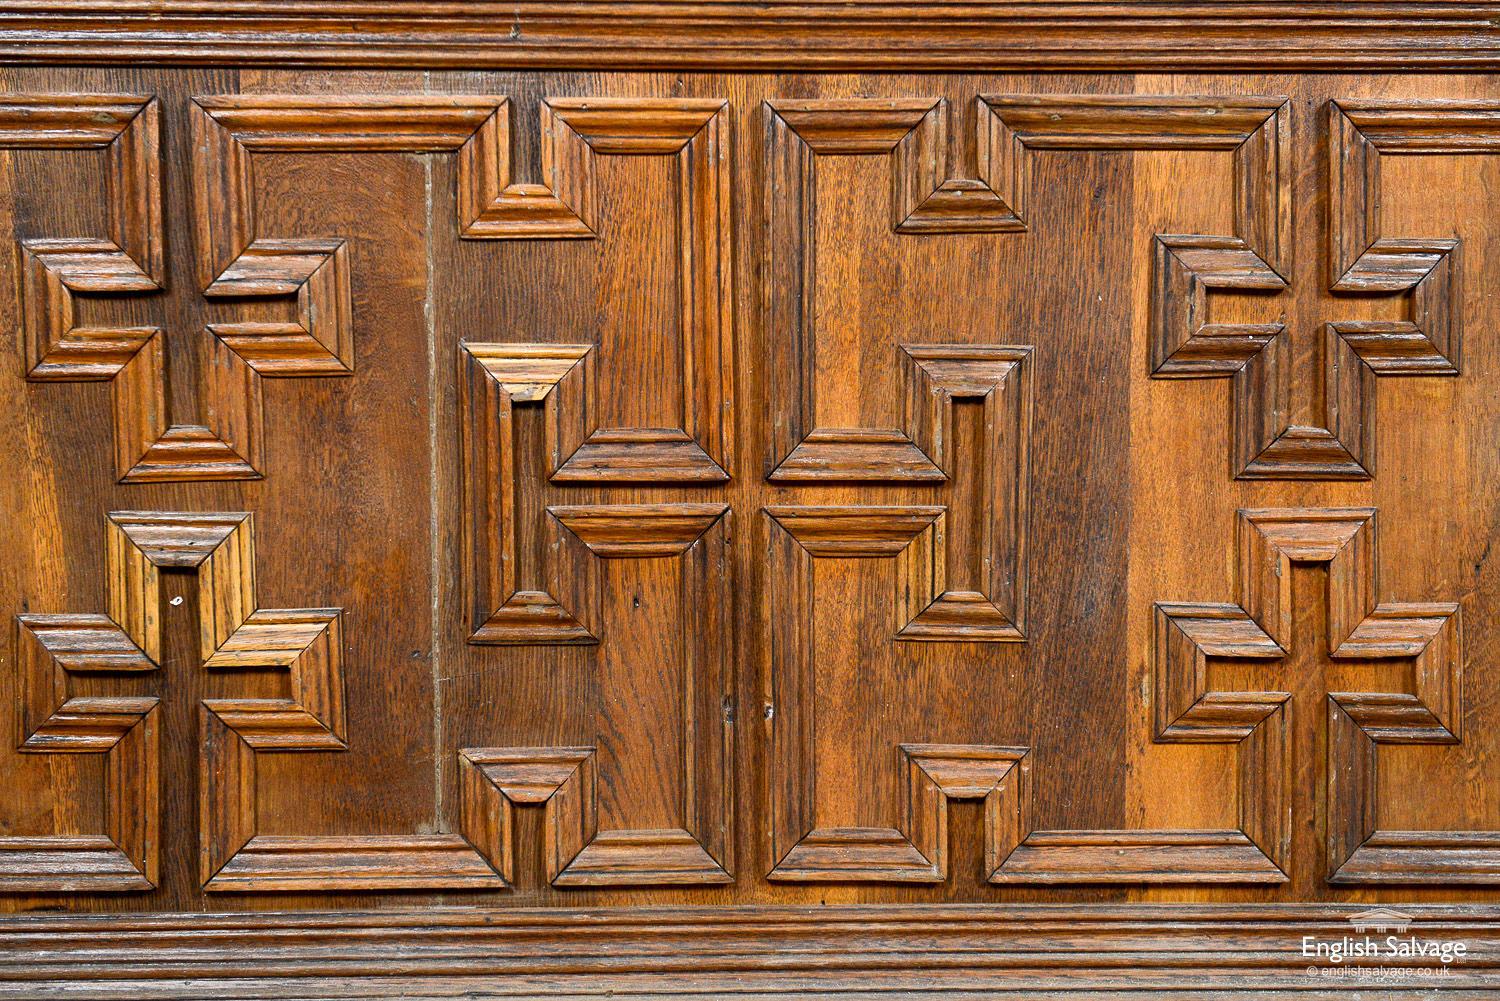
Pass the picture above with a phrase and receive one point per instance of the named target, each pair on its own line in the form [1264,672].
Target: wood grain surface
[519,509]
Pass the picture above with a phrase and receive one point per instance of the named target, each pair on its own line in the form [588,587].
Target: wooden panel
[486,502]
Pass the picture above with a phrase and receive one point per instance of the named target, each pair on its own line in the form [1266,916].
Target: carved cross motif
[57,654]
[1429,635]
[1303,404]
[60,273]
[53,649]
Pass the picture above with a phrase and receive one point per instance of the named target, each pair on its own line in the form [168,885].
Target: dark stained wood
[521,513]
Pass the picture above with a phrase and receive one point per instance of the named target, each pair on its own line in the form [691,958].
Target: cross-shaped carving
[1191,709]
[53,649]
[58,273]
[58,654]
[1303,404]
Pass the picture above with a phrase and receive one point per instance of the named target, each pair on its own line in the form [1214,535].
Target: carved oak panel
[454,487]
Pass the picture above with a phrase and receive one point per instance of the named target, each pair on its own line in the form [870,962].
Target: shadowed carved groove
[1428,634]
[915,851]
[503,607]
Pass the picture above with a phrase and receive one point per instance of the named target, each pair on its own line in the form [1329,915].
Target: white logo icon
[1381,920]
